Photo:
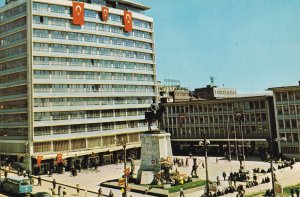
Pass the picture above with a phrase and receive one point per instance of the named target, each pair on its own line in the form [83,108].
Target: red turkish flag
[128,21]
[78,13]
[104,13]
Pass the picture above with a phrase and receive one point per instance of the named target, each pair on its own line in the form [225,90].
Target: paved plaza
[90,179]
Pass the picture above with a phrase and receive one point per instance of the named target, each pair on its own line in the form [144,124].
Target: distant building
[171,91]
[214,92]
[287,111]
[188,122]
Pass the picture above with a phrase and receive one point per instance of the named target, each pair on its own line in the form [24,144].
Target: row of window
[21,22]
[68,145]
[287,96]
[88,13]
[15,104]
[221,107]
[64,88]
[217,119]
[13,132]
[291,137]
[12,12]
[13,77]
[90,38]
[288,110]
[69,115]
[60,22]
[221,132]
[14,51]
[67,129]
[45,74]
[52,61]
[13,38]
[13,90]
[18,63]
[73,49]
[13,118]
[48,102]
[289,124]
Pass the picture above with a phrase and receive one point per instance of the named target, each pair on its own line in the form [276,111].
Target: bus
[16,185]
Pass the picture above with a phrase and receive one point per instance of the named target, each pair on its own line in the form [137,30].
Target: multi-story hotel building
[242,123]
[73,93]
[287,111]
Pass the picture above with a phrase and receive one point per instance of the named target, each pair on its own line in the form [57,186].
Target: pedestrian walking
[297,192]
[54,183]
[217,160]
[292,192]
[39,181]
[5,173]
[181,192]
[224,175]
[64,192]
[187,162]
[77,189]
[59,190]
[111,194]
[100,192]
[24,173]
[218,181]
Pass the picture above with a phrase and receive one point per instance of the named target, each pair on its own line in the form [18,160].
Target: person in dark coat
[224,175]
[54,183]
[39,181]
[59,190]
[297,192]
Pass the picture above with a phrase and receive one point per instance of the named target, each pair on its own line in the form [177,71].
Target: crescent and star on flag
[78,8]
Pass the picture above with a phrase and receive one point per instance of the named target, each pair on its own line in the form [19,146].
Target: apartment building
[74,90]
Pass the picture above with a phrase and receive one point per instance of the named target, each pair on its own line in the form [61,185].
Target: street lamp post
[125,170]
[205,143]
[125,174]
[240,117]
[271,161]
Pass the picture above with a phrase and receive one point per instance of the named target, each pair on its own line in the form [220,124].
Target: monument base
[155,146]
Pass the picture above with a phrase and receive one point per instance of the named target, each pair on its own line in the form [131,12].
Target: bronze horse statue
[155,113]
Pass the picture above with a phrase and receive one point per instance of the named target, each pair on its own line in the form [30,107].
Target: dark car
[41,194]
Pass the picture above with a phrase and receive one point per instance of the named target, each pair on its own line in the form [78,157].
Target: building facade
[287,111]
[214,92]
[244,124]
[73,94]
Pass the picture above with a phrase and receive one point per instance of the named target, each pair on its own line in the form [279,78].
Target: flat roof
[131,4]
[285,88]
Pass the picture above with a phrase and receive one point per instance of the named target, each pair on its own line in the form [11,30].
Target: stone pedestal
[154,146]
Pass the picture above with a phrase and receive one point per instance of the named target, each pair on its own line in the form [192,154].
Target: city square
[149,98]
[90,179]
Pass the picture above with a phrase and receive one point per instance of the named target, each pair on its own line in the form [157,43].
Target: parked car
[41,194]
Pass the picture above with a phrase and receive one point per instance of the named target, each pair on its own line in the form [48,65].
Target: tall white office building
[73,94]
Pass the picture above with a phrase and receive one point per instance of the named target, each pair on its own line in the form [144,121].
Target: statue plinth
[155,145]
